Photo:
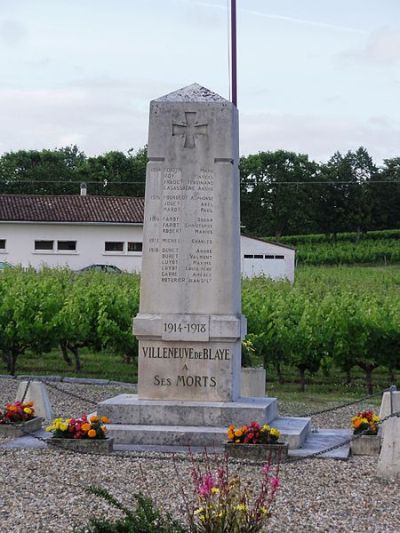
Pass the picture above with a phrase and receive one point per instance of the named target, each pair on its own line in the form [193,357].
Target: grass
[101,365]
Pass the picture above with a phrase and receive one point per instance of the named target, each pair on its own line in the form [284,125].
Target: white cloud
[12,32]
[99,116]
[319,137]
[273,16]
[382,48]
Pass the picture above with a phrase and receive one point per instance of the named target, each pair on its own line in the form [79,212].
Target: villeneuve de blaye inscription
[189,324]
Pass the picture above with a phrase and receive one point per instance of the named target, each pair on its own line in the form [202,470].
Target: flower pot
[21,429]
[366,445]
[98,446]
[274,452]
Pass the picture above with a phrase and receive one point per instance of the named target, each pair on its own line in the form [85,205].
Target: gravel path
[44,490]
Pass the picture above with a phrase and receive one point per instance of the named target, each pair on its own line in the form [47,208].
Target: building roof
[265,241]
[71,208]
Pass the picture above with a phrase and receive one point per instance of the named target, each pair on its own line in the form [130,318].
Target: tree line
[282,193]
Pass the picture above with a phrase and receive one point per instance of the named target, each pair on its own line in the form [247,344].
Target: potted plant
[255,442]
[18,419]
[366,426]
[84,434]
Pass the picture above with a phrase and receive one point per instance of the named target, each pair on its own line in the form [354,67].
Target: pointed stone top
[192,93]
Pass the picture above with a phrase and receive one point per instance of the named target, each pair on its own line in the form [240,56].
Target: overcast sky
[315,76]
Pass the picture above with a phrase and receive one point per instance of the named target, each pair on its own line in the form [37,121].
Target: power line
[366,182]
[11,182]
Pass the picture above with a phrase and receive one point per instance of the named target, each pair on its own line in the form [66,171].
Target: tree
[273,203]
[41,172]
[116,174]
[61,171]
[384,197]
[343,200]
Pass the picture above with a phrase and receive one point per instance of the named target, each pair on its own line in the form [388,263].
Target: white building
[78,231]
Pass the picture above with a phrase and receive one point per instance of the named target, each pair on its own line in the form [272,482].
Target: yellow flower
[215,490]
[265,427]
[199,510]
[376,418]
[275,433]
[28,410]
[241,507]
[50,428]
[264,510]
[63,427]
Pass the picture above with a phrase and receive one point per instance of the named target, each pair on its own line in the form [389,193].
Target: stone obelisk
[189,324]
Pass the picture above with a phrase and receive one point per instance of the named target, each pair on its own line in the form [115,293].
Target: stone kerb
[36,392]
[389,458]
[390,400]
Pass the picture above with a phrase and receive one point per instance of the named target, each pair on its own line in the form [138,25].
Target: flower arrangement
[253,434]
[17,412]
[365,422]
[224,503]
[79,428]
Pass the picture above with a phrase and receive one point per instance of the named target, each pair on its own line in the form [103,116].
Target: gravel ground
[44,490]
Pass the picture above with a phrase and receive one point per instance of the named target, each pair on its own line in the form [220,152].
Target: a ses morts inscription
[189,323]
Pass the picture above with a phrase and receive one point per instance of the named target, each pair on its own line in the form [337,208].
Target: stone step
[319,440]
[162,435]
[128,409]
[294,430]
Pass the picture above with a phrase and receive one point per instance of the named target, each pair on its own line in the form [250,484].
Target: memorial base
[197,424]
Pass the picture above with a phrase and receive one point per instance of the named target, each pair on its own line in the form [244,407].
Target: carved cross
[190,129]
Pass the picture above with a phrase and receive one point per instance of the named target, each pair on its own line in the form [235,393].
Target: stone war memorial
[189,324]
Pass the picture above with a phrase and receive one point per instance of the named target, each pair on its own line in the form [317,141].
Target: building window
[44,245]
[114,246]
[2,244]
[68,246]
[259,256]
[135,246]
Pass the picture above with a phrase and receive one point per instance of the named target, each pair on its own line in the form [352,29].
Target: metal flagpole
[234,52]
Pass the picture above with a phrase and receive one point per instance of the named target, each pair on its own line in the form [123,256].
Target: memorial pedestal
[184,423]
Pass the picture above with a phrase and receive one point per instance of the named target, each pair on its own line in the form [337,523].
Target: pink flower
[275,483]
[265,469]
[206,485]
